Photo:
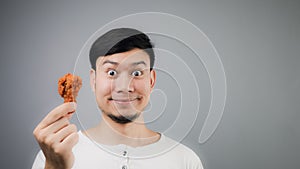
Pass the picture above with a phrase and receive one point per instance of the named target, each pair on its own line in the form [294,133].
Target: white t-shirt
[163,154]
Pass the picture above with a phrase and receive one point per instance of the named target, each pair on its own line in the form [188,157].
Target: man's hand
[56,137]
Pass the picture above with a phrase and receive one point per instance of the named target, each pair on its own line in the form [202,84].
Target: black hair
[121,40]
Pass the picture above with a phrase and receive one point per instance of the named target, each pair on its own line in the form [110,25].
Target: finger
[57,113]
[69,115]
[47,133]
[71,140]
[57,125]
[66,146]
[65,132]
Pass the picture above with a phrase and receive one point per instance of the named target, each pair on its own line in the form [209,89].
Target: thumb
[70,114]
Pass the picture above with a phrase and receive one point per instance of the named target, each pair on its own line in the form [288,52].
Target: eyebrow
[138,63]
[116,63]
[110,62]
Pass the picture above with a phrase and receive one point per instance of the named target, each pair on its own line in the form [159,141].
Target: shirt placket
[125,159]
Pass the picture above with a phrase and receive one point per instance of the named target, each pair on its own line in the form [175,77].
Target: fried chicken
[69,86]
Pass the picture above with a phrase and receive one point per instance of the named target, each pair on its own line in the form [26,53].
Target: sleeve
[192,161]
[39,162]
[197,164]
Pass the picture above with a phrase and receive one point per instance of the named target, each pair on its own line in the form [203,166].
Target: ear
[152,78]
[92,79]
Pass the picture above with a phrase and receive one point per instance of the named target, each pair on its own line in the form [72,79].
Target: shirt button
[124,153]
[124,167]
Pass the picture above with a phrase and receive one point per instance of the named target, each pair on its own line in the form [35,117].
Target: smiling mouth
[124,100]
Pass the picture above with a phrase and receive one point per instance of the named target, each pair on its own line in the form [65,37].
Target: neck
[133,134]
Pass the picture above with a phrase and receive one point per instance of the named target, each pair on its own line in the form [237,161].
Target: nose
[123,83]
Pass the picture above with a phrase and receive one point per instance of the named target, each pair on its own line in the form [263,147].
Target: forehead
[125,58]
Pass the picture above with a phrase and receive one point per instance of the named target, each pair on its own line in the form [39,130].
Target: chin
[124,119]
[126,113]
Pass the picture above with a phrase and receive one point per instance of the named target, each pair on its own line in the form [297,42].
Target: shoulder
[85,145]
[190,159]
[39,161]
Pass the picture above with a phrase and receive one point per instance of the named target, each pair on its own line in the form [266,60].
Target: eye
[137,73]
[112,72]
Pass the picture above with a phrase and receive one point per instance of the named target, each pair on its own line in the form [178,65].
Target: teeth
[125,100]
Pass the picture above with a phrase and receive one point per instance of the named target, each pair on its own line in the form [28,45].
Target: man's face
[122,84]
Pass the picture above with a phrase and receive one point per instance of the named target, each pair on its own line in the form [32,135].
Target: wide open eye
[137,73]
[112,73]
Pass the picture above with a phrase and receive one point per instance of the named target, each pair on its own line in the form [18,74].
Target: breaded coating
[69,86]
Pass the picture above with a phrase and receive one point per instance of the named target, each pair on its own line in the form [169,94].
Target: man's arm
[56,137]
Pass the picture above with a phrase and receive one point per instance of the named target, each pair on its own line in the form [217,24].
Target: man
[122,78]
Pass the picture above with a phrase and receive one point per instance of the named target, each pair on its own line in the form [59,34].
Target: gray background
[258,42]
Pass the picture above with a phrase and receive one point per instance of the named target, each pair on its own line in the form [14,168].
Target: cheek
[142,86]
[103,87]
